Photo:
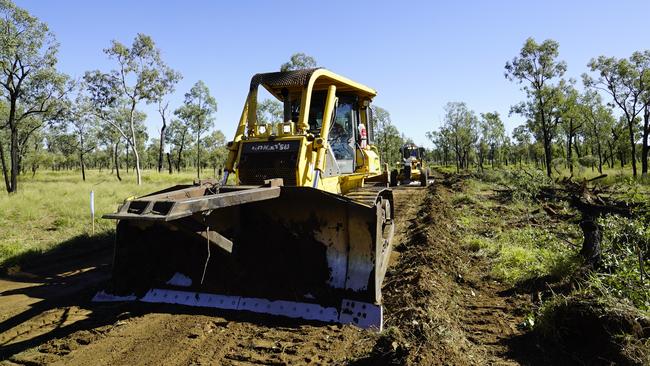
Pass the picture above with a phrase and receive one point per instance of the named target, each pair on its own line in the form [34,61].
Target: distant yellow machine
[412,169]
[305,232]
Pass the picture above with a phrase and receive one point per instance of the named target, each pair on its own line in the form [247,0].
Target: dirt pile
[588,330]
[433,303]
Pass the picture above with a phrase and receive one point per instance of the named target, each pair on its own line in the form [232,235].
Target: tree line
[51,120]
[605,124]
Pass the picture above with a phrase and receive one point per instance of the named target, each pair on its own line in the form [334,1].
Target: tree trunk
[81,156]
[598,149]
[117,163]
[162,140]
[592,236]
[138,174]
[83,166]
[644,146]
[569,156]
[577,148]
[630,127]
[600,158]
[134,145]
[610,162]
[180,155]
[547,154]
[13,155]
[198,153]
[4,168]
[13,147]
[169,162]
[493,156]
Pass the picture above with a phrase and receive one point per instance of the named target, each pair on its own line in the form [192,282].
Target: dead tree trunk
[592,237]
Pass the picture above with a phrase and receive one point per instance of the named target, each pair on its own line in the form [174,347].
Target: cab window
[341,135]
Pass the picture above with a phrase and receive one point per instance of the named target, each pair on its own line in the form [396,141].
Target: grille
[282,79]
[255,168]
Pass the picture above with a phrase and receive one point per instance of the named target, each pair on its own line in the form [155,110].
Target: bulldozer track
[365,195]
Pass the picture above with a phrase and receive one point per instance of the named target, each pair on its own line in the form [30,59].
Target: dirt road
[440,309]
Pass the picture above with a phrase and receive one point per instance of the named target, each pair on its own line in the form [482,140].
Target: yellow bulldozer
[413,169]
[300,225]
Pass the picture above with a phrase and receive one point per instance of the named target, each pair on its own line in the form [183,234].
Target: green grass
[519,251]
[54,207]
[529,253]
[524,254]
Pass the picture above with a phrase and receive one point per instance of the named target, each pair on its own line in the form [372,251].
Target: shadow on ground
[47,296]
[35,283]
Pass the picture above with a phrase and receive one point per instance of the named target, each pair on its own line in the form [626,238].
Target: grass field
[54,207]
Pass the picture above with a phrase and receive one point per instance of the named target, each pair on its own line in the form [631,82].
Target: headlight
[286,129]
[261,130]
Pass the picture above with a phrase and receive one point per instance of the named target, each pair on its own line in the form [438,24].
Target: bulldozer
[413,169]
[300,225]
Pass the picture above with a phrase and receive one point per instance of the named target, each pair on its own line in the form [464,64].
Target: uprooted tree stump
[592,236]
[586,198]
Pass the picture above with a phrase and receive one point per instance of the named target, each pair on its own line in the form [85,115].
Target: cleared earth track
[439,319]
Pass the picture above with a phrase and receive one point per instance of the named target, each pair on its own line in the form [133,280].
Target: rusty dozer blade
[292,251]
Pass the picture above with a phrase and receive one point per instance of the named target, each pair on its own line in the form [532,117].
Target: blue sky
[418,55]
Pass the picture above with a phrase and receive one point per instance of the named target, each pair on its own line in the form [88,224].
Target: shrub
[526,184]
[625,249]
[588,161]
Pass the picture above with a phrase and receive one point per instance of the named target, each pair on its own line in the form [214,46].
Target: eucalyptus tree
[442,143]
[216,151]
[462,126]
[111,139]
[299,61]
[522,137]
[387,136]
[627,81]
[64,144]
[198,112]
[269,111]
[645,130]
[536,68]
[178,136]
[620,140]
[599,122]
[570,120]
[31,85]
[493,134]
[83,123]
[166,87]
[140,76]
[33,152]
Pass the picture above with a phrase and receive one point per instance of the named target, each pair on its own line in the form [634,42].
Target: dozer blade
[291,251]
